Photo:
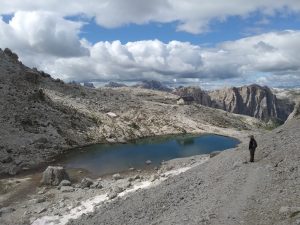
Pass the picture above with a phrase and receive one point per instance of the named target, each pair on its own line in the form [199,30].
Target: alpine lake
[104,159]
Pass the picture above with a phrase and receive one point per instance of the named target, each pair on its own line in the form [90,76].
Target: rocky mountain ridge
[252,100]
[153,85]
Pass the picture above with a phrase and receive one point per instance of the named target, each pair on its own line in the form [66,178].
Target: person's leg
[252,151]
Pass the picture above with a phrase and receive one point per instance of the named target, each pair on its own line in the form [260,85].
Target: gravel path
[225,190]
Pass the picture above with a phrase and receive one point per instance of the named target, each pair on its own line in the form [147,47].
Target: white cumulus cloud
[192,16]
[42,33]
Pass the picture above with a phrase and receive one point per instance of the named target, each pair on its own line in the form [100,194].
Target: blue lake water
[104,159]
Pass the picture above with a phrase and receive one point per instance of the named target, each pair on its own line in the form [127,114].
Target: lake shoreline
[47,201]
[24,208]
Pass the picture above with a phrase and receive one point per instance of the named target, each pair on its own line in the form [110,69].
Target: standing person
[252,147]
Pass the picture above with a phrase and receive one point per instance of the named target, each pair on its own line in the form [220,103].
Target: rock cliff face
[200,96]
[252,100]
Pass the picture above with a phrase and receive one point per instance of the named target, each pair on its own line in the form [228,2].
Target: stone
[112,195]
[117,176]
[65,183]
[65,189]
[130,179]
[154,177]
[96,184]
[148,162]
[114,192]
[86,183]
[111,115]
[53,175]
[136,177]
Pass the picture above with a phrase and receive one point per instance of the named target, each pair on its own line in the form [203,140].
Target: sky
[210,43]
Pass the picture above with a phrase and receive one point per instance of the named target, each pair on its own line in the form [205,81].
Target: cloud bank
[192,16]
[43,36]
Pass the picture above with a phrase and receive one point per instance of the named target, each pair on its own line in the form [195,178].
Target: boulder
[154,178]
[53,175]
[66,189]
[117,176]
[114,192]
[86,183]
[97,184]
[65,183]
[111,115]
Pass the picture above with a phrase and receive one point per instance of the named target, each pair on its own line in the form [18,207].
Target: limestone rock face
[252,100]
[200,96]
[153,85]
[53,175]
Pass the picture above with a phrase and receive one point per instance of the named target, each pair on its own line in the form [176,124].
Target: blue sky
[233,28]
[199,42]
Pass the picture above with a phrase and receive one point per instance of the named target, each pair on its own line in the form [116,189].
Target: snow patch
[91,204]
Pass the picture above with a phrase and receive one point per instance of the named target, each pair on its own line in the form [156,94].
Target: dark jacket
[252,144]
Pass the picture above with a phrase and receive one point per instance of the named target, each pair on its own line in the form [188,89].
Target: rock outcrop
[88,84]
[153,85]
[200,96]
[115,85]
[295,113]
[252,100]
[54,175]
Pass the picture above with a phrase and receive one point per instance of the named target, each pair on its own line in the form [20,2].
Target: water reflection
[102,159]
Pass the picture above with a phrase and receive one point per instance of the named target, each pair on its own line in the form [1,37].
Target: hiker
[252,147]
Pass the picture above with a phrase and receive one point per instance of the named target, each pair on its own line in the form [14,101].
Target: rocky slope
[252,100]
[225,190]
[41,117]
